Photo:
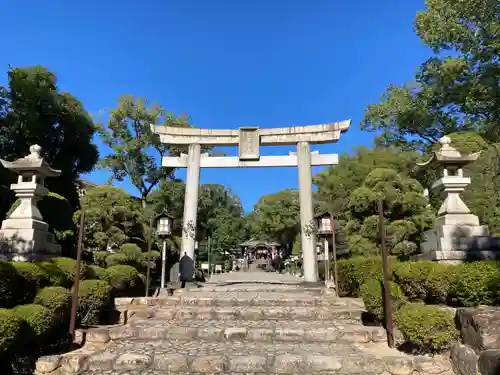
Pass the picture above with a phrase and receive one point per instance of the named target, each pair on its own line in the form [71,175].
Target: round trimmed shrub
[94,299]
[125,281]
[38,318]
[11,330]
[99,258]
[96,273]
[56,276]
[68,267]
[426,328]
[477,284]
[10,293]
[57,299]
[33,277]
[373,298]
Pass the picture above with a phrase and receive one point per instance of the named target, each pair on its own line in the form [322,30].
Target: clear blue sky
[226,63]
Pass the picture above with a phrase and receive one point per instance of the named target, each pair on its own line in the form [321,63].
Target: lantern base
[27,244]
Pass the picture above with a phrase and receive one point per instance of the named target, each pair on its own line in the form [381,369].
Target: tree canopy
[456,90]
[137,151]
[34,111]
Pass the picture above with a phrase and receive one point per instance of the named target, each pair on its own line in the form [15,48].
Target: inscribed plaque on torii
[249,144]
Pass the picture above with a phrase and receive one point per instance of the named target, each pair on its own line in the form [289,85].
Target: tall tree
[112,218]
[137,151]
[276,217]
[34,111]
[458,89]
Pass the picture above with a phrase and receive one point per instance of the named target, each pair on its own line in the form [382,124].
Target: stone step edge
[97,360]
[346,334]
[232,314]
[208,289]
[221,301]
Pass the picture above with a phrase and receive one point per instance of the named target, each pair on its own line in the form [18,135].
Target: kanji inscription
[249,144]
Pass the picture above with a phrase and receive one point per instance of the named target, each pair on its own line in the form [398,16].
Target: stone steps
[245,299]
[256,331]
[199,357]
[258,313]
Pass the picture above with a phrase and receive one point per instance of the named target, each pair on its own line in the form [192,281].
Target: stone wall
[479,349]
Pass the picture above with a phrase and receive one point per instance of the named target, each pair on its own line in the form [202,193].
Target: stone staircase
[240,329]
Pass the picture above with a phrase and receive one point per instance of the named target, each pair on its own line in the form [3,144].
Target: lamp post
[164,229]
[163,219]
[76,282]
[326,226]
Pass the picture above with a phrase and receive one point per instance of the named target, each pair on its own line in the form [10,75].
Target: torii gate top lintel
[314,134]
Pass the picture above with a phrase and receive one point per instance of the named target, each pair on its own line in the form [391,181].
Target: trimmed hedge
[476,284]
[373,297]
[426,328]
[33,277]
[11,331]
[10,280]
[125,281]
[94,299]
[38,318]
[57,299]
[96,273]
[55,275]
[425,280]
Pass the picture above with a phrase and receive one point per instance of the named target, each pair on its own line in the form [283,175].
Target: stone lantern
[452,238]
[24,235]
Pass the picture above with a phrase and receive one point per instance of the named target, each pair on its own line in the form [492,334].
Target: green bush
[94,299]
[373,298]
[116,260]
[68,267]
[38,318]
[476,284]
[426,328]
[354,271]
[11,331]
[96,273]
[10,280]
[425,280]
[56,276]
[57,299]
[99,258]
[125,281]
[32,278]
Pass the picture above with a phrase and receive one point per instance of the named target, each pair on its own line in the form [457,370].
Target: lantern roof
[449,155]
[32,163]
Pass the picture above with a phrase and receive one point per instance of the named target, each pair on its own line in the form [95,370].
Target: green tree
[112,218]
[405,211]
[34,111]
[216,203]
[458,89]
[137,151]
[276,217]
[335,185]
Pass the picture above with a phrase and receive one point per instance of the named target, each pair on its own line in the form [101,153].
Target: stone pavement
[230,326]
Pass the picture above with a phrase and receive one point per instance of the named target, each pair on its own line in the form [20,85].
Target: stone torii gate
[249,140]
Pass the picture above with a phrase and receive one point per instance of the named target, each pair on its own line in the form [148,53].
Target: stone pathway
[234,326]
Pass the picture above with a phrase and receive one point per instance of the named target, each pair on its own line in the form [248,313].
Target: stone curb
[345,334]
[279,364]
[240,301]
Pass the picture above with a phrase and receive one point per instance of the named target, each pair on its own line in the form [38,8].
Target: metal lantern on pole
[164,229]
[326,227]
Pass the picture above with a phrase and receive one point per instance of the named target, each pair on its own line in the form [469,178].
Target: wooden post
[385,265]
[76,283]
[209,258]
[148,269]
[334,248]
